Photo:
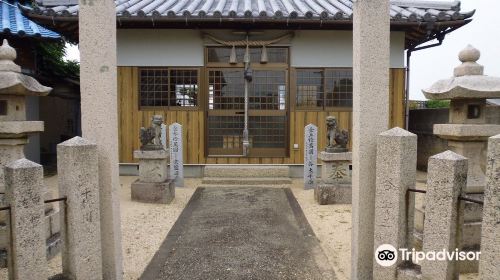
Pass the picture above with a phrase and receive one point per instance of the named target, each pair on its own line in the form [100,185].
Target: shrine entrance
[267,103]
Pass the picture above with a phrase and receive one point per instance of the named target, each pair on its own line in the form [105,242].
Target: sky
[431,65]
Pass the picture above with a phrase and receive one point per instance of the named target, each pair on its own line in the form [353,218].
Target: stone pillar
[81,234]
[490,235]
[446,181]
[98,86]
[23,189]
[371,42]
[176,153]
[310,156]
[396,172]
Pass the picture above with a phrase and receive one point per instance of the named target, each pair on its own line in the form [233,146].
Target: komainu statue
[151,136]
[336,140]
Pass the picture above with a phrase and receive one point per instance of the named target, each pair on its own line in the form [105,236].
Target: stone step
[246,171]
[246,181]
[246,186]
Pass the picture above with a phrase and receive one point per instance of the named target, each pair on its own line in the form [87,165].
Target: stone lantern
[14,128]
[467,131]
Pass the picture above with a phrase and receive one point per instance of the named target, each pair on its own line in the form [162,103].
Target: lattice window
[268,131]
[310,84]
[268,90]
[225,131]
[225,90]
[322,88]
[166,87]
[338,88]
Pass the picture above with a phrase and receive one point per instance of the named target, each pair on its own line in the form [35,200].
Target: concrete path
[240,233]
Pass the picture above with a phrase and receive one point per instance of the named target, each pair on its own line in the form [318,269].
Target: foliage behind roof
[12,22]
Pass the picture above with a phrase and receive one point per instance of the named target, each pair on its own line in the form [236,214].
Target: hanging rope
[244,43]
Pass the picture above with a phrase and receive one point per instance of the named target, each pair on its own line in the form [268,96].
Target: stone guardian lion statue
[336,140]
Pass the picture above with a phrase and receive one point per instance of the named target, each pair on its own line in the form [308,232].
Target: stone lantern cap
[12,81]
[468,81]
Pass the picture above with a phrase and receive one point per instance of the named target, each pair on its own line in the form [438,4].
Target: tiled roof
[403,10]
[13,22]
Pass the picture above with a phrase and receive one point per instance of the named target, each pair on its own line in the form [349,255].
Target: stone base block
[333,194]
[471,237]
[409,272]
[162,193]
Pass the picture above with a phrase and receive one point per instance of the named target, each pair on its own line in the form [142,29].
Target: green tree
[50,61]
[437,104]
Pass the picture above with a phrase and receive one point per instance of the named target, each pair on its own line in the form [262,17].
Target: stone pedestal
[153,165]
[335,184]
[470,141]
[154,184]
[10,150]
[162,193]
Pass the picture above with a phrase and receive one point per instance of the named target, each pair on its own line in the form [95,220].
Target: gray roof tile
[401,10]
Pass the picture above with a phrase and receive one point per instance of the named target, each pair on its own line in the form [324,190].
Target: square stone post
[176,154]
[490,235]
[23,189]
[310,156]
[447,179]
[81,232]
[396,172]
[98,85]
[371,43]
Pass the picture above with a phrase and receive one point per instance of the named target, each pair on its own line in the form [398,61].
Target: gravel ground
[144,226]
[332,226]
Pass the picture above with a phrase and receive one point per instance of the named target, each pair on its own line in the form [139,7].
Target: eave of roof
[411,10]
[14,23]
[419,19]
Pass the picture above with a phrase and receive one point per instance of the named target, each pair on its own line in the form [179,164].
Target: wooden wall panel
[397,97]
[193,122]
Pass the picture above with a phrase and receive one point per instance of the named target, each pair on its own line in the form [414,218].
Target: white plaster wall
[162,47]
[334,49]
